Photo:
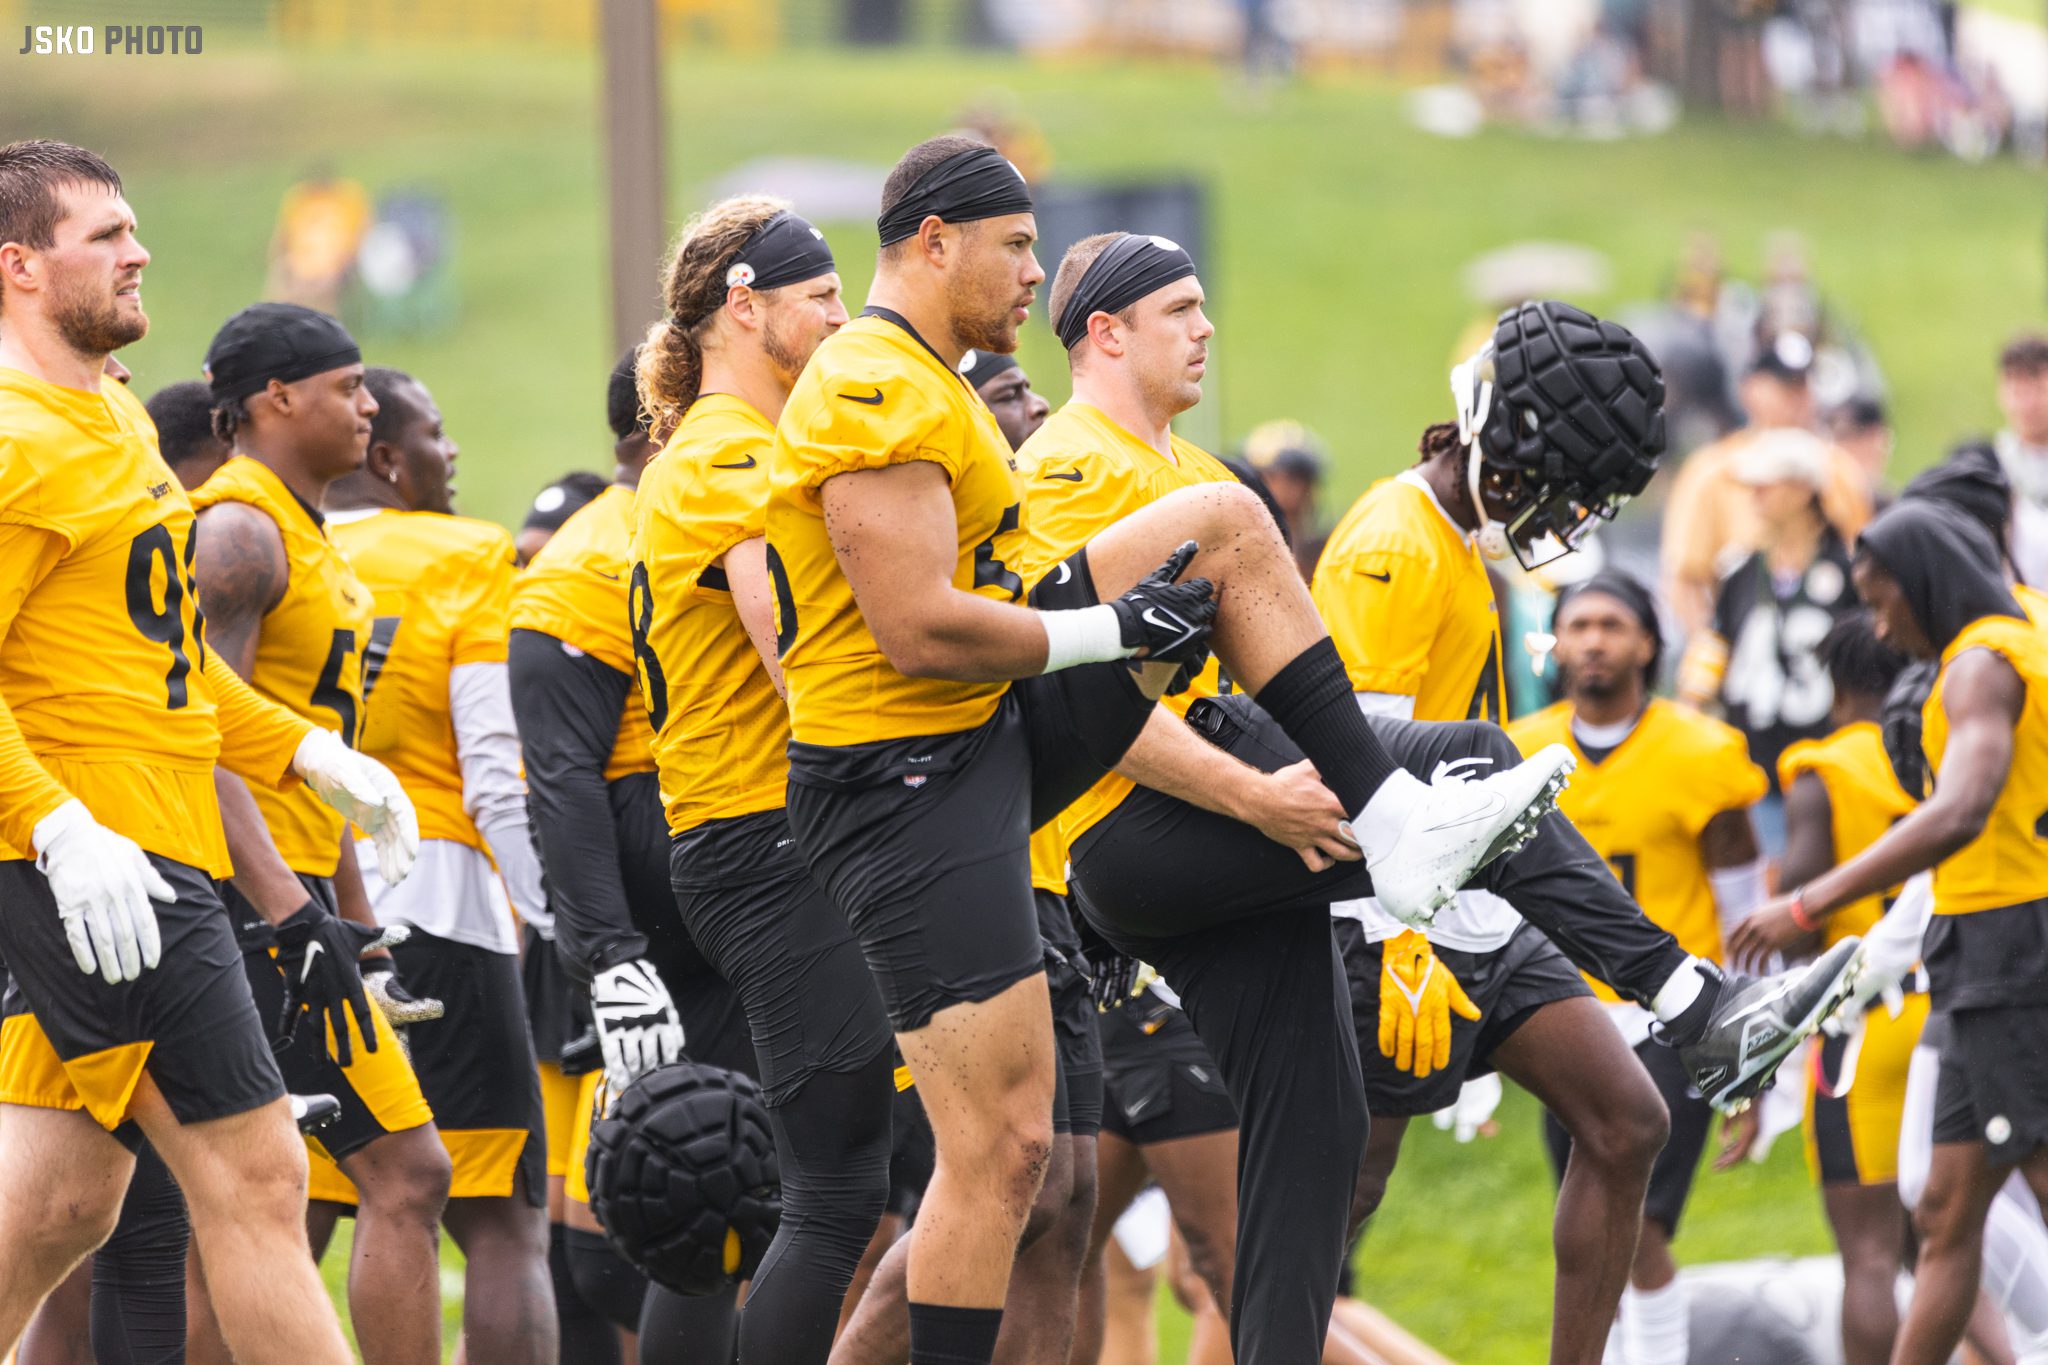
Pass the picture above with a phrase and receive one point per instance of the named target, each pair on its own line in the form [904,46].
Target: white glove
[1477,1099]
[637,1024]
[1891,950]
[365,792]
[103,883]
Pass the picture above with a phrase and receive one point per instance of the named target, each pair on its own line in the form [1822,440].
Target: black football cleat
[1758,1021]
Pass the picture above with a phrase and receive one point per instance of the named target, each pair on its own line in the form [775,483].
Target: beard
[92,323]
[978,323]
[789,354]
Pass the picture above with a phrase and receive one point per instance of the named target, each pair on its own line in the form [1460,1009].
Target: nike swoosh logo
[1153,618]
[749,462]
[1387,577]
[875,401]
[602,574]
[313,950]
[1071,476]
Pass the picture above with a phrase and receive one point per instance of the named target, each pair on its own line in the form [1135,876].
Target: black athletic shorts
[1993,1084]
[1988,959]
[1077,1090]
[924,842]
[715,1029]
[1508,984]
[553,1016]
[189,1022]
[749,903]
[476,1066]
[378,1090]
[1159,1082]
[1691,1120]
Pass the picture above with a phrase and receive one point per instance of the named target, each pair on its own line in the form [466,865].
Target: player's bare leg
[1119,1175]
[1869,1229]
[244,1179]
[1961,1184]
[1573,1060]
[394,1272]
[61,1181]
[985,1070]
[61,1331]
[508,1303]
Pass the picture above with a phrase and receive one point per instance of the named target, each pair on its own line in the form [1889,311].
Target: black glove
[1169,620]
[318,952]
[1112,977]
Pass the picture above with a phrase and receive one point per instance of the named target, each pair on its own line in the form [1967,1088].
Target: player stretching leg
[596,809]
[1040,1309]
[751,291]
[127,1008]
[917,767]
[440,717]
[284,609]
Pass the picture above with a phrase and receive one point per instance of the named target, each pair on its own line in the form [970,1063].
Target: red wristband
[1796,907]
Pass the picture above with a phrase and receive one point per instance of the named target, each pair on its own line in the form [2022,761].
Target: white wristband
[1088,635]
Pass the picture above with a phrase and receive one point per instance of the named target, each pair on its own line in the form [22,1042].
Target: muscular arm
[1982,696]
[240,568]
[753,597]
[1291,807]
[568,710]
[896,538]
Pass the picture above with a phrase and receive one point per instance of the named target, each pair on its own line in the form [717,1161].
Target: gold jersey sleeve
[103,667]
[309,654]
[1408,603]
[1864,798]
[575,589]
[2007,864]
[1646,825]
[1082,474]
[443,586]
[721,734]
[874,396]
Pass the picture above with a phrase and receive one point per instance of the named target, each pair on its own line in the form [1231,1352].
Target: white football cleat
[1423,842]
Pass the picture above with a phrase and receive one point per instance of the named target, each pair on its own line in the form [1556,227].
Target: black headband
[281,341]
[1128,269]
[976,183]
[783,250]
[977,367]
[1623,588]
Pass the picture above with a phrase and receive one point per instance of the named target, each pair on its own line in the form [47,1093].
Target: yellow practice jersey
[109,693]
[575,589]
[309,654]
[1049,859]
[1644,806]
[444,591]
[721,734]
[1864,798]
[875,395]
[1083,473]
[2007,864]
[1409,605]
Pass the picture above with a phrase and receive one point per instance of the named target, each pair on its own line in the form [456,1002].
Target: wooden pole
[631,41]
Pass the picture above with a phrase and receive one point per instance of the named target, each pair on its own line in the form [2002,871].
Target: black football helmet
[1562,416]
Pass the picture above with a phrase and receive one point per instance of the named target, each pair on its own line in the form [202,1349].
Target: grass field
[1338,232]
[1337,238]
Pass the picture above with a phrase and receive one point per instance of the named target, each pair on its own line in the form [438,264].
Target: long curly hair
[671,364]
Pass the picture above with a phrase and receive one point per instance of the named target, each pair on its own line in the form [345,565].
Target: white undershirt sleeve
[493,791]
[1737,891]
[1390,704]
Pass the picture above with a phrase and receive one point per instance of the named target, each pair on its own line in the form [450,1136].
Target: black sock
[604,1279]
[1691,1024]
[944,1335]
[1311,698]
[587,1337]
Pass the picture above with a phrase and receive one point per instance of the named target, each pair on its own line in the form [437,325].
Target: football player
[1934,581]
[440,717]
[127,1014]
[286,611]
[751,290]
[595,806]
[183,413]
[936,721]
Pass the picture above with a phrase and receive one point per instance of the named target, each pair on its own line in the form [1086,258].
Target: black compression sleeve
[568,708]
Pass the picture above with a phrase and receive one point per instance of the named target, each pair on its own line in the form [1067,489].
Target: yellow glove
[1417,995]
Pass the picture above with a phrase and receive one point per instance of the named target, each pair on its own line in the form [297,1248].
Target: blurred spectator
[183,414]
[1291,460]
[1862,427]
[1710,521]
[1771,610]
[320,226]
[2023,450]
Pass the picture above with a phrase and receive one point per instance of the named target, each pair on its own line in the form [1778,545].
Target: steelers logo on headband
[1128,269]
[783,250]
